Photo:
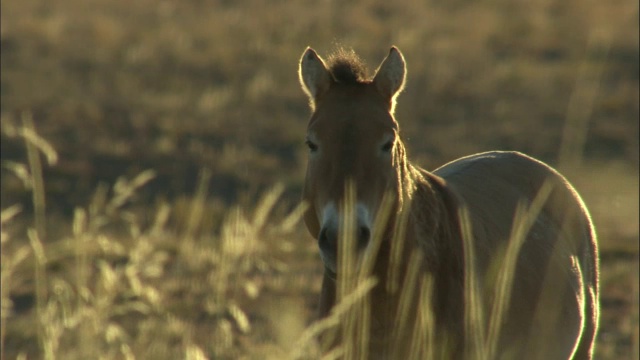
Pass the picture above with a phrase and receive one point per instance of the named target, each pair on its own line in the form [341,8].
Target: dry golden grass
[147,292]
[152,229]
[135,292]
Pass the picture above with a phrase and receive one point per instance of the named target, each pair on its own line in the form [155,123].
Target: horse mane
[435,208]
[346,67]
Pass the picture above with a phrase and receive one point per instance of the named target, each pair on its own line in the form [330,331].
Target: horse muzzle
[328,242]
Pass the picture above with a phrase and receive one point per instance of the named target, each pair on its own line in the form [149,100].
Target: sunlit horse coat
[552,310]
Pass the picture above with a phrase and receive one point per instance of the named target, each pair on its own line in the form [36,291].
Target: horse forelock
[346,67]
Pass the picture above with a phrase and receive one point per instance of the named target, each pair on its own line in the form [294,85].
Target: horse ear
[314,76]
[390,75]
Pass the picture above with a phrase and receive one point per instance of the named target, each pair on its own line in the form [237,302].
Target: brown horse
[459,219]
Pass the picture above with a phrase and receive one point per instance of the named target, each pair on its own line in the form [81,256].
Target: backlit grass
[152,226]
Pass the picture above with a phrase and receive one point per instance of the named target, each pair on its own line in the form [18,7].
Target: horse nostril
[322,237]
[363,236]
[327,240]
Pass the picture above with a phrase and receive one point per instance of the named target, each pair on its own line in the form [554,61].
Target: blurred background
[172,135]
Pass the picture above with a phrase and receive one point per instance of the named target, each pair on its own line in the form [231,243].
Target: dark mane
[346,67]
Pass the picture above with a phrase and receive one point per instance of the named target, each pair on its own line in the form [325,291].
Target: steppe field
[153,156]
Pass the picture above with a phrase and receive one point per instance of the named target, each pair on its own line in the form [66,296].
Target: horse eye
[311,145]
[387,146]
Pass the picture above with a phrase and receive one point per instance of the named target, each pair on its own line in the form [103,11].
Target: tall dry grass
[113,289]
[191,277]
[111,296]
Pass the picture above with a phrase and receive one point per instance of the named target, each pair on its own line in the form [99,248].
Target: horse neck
[431,206]
[426,238]
[435,230]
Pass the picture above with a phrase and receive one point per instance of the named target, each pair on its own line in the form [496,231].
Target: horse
[457,224]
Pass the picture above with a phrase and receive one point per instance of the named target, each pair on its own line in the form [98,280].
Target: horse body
[552,308]
[559,251]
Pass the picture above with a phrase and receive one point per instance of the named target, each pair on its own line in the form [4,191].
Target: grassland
[166,224]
